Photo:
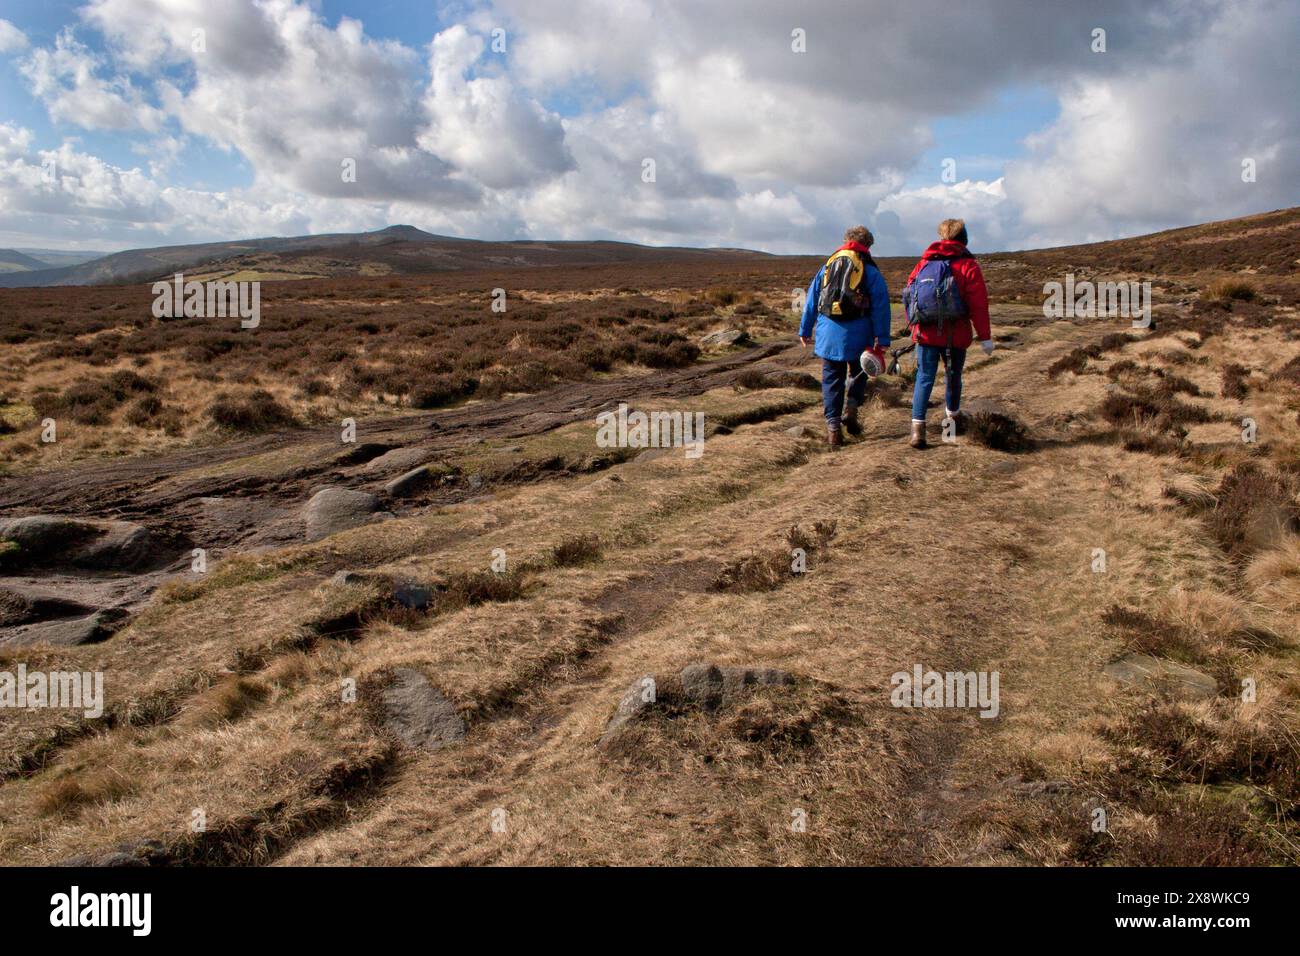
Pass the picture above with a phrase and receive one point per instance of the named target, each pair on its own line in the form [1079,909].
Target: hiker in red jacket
[944,297]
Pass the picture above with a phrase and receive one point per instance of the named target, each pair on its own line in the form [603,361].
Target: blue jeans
[834,377]
[927,367]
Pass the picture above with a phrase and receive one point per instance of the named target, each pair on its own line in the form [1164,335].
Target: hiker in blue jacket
[851,312]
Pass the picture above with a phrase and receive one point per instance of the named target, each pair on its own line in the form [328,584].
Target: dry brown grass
[226,694]
[1227,291]
[1255,509]
[1274,575]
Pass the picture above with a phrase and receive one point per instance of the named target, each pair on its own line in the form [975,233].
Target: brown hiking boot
[834,437]
[918,435]
[850,420]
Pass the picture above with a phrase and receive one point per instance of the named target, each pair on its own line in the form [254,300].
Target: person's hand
[805,341]
[987,346]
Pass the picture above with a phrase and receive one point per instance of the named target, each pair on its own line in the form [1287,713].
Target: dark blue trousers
[835,382]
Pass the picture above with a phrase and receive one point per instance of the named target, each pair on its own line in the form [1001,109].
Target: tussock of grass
[1289,373]
[1227,291]
[763,412]
[1256,510]
[1234,381]
[1076,360]
[722,297]
[768,571]
[468,588]
[225,701]
[1177,742]
[1274,575]
[788,723]
[82,788]
[998,430]
[576,550]
[1160,409]
[259,411]
[1120,368]
[1190,491]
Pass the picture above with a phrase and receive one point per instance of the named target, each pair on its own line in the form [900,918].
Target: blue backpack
[932,299]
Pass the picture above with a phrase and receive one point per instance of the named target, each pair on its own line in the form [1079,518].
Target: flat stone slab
[418,713]
[332,510]
[651,454]
[1154,674]
[399,459]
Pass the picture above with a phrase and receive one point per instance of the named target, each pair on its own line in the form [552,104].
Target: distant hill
[1267,243]
[54,258]
[11,260]
[397,250]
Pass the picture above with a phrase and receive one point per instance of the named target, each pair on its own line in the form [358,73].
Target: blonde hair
[953,229]
[859,234]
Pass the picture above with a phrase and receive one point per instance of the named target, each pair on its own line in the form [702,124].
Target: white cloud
[914,214]
[753,143]
[66,79]
[11,38]
[236,36]
[481,125]
[1135,153]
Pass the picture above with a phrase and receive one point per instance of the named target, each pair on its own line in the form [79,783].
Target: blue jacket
[840,340]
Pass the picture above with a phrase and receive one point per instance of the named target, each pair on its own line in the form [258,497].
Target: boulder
[709,686]
[1155,674]
[415,597]
[641,695]
[724,338]
[89,544]
[417,712]
[349,578]
[702,684]
[332,510]
[651,454]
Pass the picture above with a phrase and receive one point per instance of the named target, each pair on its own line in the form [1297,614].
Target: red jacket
[970,283]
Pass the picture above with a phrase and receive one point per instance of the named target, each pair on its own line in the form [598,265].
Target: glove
[987,346]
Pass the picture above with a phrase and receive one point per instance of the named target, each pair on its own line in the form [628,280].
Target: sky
[760,124]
